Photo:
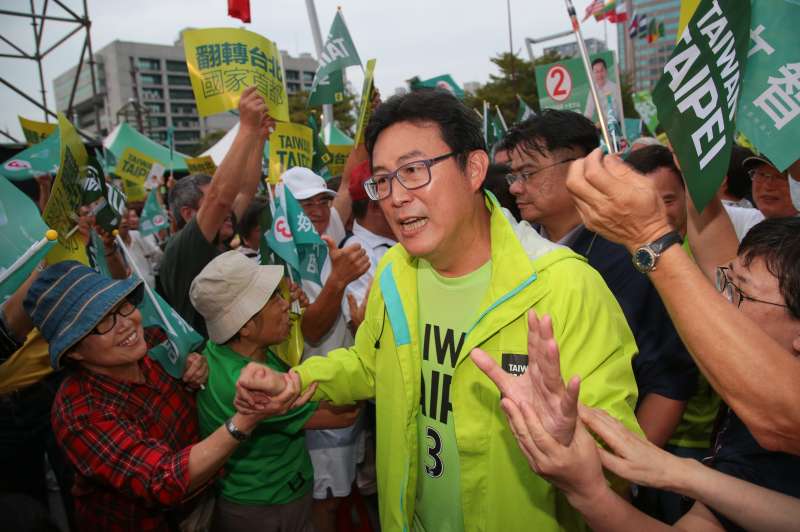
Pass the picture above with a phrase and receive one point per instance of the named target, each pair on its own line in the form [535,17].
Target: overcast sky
[408,37]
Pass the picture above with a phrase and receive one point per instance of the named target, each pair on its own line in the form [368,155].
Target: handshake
[264,393]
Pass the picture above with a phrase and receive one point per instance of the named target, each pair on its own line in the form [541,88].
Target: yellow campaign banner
[61,211]
[34,131]
[339,153]
[133,168]
[223,62]
[688,7]
[290,145]
[366,102]
[201,165]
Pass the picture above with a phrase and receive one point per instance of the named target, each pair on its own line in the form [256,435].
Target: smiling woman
[128,428]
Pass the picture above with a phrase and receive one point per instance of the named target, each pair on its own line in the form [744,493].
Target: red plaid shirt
[129,444]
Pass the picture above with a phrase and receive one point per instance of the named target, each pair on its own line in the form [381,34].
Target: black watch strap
[234,431]
[662,243]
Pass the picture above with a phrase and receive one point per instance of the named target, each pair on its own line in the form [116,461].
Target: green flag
[153,218]
[322,157]
[769,106]
[643,103]
[21,232]
[294,239]
[338,53]
[109,209]
[181,340]
[41,158]
[698,92]
[445,81]
[524,111]
[329,89]
[496,129]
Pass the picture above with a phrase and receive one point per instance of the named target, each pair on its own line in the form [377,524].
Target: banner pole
[147,290]
[50,235]
[576,28]
[503,120]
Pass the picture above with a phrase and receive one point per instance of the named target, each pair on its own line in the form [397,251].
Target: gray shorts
[291,517]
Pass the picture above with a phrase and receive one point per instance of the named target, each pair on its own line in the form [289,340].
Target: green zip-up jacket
[499,492]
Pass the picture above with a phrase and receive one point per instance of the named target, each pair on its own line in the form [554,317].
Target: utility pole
[327,109]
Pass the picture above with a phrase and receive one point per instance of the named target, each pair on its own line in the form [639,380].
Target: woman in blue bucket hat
[129,429]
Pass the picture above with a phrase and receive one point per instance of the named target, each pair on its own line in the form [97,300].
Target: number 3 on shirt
[434,450]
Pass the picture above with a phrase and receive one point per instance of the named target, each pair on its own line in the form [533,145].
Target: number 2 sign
[559,83]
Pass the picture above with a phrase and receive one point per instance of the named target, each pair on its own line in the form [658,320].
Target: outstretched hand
[541,385]
[348,263]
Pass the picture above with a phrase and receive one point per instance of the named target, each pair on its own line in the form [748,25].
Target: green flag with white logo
[294,239]
[322,156]
[338,53]
[329,89]
[769,106]
[697,95]
[445,81]
[153,218]
[524,111]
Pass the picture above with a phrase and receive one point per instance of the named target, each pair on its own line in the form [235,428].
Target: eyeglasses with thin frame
[411,176]
[525,176]
[760,175]
[125,308]
[319,202]
[733,293]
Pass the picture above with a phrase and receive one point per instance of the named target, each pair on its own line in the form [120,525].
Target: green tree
[343,111]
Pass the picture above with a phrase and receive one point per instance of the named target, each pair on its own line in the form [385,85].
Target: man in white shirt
[770,188]
[605,88]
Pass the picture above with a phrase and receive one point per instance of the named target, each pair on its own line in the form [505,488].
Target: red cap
[357,177]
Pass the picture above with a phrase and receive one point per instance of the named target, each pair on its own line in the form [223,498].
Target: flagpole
[49,236]
[295,304]
[486,123]
[503,120]
[576,28]
[327,109]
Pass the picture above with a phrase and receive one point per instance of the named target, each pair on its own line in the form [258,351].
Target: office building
[647,60]
[570,49]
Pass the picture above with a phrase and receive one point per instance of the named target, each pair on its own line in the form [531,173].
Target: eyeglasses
[315,203]
[733,293]
[525,176]
[413,175]
[125,308]
[760,175]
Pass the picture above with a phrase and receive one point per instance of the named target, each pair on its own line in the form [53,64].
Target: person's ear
[796,342]
[186,213]
[248,329]
[477,164]
[74,354]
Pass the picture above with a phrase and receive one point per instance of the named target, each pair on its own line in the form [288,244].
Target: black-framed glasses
[125,308]
[413,175]
[733,293]
[525,176]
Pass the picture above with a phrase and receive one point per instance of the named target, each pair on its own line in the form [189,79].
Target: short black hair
[551,130]
[777,242]
[600,61]
[739,183]
[360,208]
[651,158]
[251,217]
[459,125]
[496,183]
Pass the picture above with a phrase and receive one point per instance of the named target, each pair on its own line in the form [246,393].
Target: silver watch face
[644,259]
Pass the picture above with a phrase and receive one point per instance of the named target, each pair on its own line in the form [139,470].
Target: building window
[180,94]
[183,109]
[158,121]
[293,87]
[179,80]
[292,74]
[187,135]
[155,107]
[152,94]
[150,79]
[176,66]
[149,64]
[184,123]
[308,77]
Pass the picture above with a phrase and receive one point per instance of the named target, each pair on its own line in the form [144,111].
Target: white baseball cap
[230,290]
[304,184]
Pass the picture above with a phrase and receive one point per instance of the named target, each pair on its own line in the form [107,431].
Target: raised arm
[730,350]
[711,236]
[253,170]
[228,180]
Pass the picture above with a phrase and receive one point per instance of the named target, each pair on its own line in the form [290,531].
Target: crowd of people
[547,338]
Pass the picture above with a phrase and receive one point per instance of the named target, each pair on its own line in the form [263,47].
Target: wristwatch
[645,257]
[234,431]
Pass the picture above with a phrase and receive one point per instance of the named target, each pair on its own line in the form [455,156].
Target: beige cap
[230,290]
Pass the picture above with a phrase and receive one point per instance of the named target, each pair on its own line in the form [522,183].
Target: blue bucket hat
[68,300]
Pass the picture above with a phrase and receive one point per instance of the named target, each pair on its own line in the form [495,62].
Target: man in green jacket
[463,276]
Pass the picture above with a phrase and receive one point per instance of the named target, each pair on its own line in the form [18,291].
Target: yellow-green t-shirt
[448,306]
